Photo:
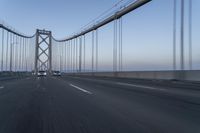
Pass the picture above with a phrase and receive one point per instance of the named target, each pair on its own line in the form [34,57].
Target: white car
[42,73]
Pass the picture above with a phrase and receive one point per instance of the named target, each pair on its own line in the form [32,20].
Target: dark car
[56,73]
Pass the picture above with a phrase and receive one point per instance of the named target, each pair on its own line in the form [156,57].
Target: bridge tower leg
[43,51]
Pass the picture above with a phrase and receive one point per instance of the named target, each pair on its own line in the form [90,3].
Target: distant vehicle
[42,73]
[56,73]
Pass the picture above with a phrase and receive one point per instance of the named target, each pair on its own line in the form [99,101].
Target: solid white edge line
[139,86]
[83,90]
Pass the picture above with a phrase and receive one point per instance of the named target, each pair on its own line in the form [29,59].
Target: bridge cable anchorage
[190,36]
[174,34]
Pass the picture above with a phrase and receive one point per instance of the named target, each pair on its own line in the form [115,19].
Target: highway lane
[95,105]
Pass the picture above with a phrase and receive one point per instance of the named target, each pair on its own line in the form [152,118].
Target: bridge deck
[98,105]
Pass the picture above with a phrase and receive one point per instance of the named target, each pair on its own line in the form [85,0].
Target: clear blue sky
[60,16]
[147,32]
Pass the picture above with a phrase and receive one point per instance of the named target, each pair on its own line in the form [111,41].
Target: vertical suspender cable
[84,53]
[74,50]
[119,44]
[16,57]
[96,50]
[121,60]
[174,35]
[60,56]
[11,52]
[2,50]
[23,54]
[190,35]
[15,51]
[92,51]
[71,60]
[182,35]
[76,45]
[7,43]
[68,61]
[114,46]
[63,63]
[23,57]
[116,43]
[26,56]
[80,53]
[20,52]
[65,55]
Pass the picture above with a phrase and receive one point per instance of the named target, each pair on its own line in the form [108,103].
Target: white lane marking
[1,87]
[83,90]
[140,86]
[124,84]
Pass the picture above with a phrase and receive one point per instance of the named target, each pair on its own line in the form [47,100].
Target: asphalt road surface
[98,105]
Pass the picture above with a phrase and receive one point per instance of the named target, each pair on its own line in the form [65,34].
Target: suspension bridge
[89,98]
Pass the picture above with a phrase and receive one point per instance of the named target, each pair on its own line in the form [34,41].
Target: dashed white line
[140,86]
[83,90]
[1,87]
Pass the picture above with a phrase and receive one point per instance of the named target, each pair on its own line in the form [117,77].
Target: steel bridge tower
[43,51]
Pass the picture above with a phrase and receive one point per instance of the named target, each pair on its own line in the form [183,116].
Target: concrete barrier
[191,75]
[13,75]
